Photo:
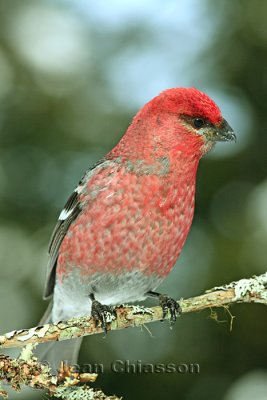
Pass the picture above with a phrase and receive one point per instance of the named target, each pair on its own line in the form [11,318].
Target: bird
[124,226]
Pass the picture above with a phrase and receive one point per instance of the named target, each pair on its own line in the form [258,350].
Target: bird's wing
[69,213]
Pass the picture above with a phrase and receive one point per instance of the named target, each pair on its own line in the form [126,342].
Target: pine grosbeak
[124,226]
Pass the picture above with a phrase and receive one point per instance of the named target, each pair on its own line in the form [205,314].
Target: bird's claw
[103,314]
[171,305]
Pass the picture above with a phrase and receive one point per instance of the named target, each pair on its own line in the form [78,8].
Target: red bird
[125,224]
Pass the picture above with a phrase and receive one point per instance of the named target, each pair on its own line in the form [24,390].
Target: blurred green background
[72,75]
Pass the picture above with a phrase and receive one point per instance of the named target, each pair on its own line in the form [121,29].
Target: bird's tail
[55,352]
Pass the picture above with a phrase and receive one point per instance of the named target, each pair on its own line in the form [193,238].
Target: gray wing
[67,216]
[69,213]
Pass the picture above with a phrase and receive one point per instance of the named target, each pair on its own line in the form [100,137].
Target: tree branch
[253,290]
[66,384]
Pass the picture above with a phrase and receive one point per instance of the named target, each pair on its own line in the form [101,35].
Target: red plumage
[124,227]
[140,219]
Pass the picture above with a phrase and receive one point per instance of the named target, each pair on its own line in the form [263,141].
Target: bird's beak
[224,133]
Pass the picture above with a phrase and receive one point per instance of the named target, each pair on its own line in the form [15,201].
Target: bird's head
[178,122]
[185,119]
[202,117]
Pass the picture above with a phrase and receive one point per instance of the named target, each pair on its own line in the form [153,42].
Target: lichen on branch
[253,290]
[66,384]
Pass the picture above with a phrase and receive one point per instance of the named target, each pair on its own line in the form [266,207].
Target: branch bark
[253,290]
[66,384]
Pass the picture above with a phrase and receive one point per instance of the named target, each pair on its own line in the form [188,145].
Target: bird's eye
[198,122]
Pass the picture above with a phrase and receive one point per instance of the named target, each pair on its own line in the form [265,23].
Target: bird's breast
[131,222]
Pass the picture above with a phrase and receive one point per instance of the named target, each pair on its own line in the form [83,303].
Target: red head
[182,120]
[185,101]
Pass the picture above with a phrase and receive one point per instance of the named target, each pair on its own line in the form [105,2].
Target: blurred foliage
[72,74]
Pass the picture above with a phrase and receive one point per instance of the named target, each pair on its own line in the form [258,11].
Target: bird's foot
[171,305]
[168,304]
[102,313]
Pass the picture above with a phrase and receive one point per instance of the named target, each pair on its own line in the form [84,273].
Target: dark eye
[198,122]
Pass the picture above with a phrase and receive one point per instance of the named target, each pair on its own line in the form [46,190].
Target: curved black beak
[224,133]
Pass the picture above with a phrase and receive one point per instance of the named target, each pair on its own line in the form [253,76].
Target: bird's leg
[167,304]
[102,313]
